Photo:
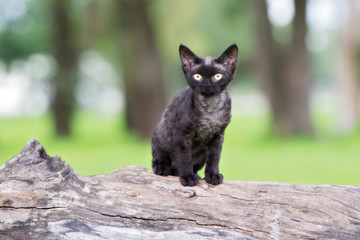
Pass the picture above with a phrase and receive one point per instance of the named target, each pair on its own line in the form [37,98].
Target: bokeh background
[89,79]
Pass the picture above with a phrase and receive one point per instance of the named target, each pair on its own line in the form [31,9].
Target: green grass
[258,157]
[98,146]
[101,145]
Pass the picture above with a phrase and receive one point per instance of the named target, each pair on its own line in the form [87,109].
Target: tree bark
[66,77]
[42,197]
[142,73]
[348,86]
[284,72]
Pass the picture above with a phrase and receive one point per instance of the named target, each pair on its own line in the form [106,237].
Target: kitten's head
[208,75]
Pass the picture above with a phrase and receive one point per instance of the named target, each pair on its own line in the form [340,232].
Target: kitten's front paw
[162,170]
[189,180]
[214,179]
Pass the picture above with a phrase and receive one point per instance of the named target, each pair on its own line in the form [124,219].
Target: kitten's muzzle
[207,83]
[208,91]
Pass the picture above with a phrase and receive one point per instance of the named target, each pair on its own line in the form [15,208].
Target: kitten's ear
[229,57]
[188,58]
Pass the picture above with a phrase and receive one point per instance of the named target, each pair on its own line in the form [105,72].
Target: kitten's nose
[207,83]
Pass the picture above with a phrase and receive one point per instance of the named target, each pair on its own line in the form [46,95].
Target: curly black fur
[191,131]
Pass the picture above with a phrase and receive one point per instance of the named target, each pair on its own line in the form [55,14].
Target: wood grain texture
[42,197]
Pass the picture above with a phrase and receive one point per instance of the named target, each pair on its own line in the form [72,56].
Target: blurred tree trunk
[284,72]
[297,80]
[92,23]
[144,83]
[348,87]
[66,56]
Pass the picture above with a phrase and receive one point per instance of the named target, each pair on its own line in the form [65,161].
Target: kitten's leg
[212,174]
[185,166]
[161,162]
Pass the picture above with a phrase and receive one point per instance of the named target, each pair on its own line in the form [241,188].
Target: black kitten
[191,131]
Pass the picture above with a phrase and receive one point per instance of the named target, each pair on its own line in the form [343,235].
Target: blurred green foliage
[27,35]
[101,145]
[208,27]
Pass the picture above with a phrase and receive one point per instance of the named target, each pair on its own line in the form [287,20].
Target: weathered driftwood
[42,197]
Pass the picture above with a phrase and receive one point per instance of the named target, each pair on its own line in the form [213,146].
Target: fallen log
[42,197]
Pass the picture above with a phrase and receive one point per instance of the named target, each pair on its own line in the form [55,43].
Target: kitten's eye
[218,76]
[197,77]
